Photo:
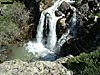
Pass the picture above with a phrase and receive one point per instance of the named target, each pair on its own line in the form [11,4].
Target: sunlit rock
[1,60]
[67,16]
[64,7]
[62,23]
[95,18]
[20,44]
[57,13]
[8,51]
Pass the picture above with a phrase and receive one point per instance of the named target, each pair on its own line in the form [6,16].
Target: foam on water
[47,51]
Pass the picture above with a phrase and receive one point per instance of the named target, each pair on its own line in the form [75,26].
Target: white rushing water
[47,50]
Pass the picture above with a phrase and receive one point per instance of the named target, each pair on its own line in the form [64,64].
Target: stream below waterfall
[49,48]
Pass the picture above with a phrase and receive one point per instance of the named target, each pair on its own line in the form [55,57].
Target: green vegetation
[61,73]
[1,5]
[12,18]
[96,14]
[13,15]
[86,63]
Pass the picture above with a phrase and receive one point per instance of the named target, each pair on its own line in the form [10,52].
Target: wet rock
[8,51]
[73,9]
[61,23]
[64,7]
[57,13]
[20,44]
[14,42]
[71,38]
[1,51]
[67,16]
[1,60]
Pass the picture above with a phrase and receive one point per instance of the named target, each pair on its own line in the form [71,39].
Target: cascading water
[48,50]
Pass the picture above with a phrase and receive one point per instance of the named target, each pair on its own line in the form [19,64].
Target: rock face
[88,27]
[57,13]
[18,67]
[20,44]
[61,26]
[64,7]
[68,11]
[45,4]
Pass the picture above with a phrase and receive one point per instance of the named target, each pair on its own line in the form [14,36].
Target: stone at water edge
[67,16]
[8,51]
[20,44]
[1,60]
[1,51]
[57,13]
[61,23]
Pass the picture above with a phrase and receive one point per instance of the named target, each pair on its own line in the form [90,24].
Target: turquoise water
[20,53]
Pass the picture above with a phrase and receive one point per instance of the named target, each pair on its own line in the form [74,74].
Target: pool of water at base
[20,53]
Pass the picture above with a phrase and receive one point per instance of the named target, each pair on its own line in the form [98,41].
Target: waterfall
[71,28]
[47,51]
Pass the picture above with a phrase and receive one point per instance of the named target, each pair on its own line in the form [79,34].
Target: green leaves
[88,63]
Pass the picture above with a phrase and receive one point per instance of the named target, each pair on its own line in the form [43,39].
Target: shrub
[14,16]
[85,64]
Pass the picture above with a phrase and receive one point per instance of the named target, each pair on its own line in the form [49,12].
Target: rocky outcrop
[44,5]
[65,8]
[87,27]
[39,67]
[57,13]
[20,44]
[68,11]
[61,26]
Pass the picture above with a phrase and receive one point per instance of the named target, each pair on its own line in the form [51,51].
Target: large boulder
[65,7]
[61,26]
[61,23]
[57,13]
[18,67]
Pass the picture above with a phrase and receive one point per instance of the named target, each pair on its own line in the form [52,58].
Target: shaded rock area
[68,11]
[88,28]
[39,67]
